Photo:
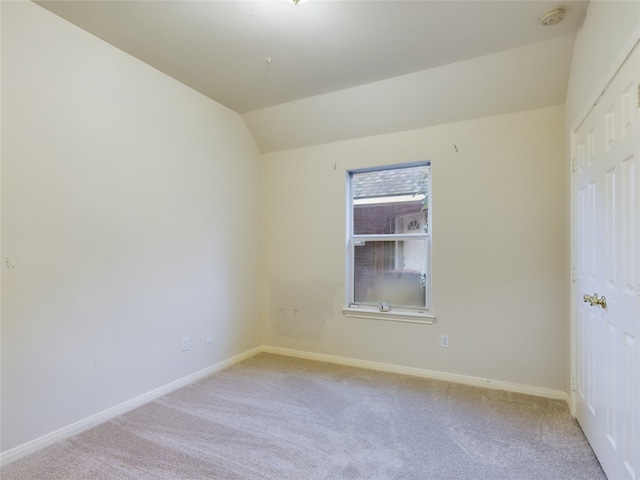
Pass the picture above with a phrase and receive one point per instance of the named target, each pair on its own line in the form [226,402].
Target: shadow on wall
[302,308]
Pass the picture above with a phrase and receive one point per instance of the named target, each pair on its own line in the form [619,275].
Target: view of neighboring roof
[387,183]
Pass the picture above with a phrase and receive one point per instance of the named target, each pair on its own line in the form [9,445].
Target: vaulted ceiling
[326,70]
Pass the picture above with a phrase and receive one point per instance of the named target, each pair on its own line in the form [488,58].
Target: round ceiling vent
[553,16]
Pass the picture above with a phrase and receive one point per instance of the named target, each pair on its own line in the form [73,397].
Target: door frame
[594,98]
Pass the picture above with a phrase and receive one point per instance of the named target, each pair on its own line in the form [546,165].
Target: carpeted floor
[275,417]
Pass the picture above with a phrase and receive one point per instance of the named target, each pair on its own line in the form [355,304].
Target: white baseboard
[419,372]
[101,417]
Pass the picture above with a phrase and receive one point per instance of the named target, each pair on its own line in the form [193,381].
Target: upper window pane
[390,201]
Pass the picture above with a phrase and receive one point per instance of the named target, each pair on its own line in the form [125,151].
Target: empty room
[350,239]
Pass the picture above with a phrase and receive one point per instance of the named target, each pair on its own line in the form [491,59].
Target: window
[389,243]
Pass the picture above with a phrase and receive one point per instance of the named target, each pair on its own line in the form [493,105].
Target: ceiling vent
[553,16]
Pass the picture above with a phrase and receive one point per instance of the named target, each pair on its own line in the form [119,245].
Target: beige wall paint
[431,97]
[607,27]
[128,221]
[499,260]
[123,230]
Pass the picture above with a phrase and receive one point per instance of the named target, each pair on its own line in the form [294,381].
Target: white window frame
[412,315]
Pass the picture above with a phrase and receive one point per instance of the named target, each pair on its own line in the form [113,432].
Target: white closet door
[607,263]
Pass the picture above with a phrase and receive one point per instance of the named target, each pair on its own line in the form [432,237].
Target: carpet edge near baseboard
[93,420]
[419,372]
[112,412]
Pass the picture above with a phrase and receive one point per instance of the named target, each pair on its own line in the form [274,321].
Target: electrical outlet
[444,341]
[209,336]
[185,344]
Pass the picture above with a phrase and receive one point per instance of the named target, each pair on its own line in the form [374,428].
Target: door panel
[607,257]
[630,410]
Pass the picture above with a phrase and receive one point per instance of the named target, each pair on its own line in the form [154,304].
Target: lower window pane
[390,272]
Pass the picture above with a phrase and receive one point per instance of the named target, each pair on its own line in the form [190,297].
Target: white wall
[607,27]
[128,221]
[444,94]
[124,229]
[499,256]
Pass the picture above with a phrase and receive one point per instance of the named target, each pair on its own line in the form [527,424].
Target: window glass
[390,201]
[389,245]
[390,272]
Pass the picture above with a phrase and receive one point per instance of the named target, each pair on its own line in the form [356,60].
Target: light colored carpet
[275,417]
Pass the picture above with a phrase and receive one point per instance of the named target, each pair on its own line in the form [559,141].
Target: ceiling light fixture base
[553,16]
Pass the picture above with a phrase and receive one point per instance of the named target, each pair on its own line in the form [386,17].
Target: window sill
[425,317]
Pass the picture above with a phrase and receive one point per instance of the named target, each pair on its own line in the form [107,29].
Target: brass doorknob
[595,300]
